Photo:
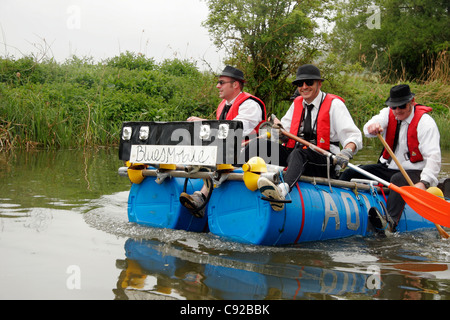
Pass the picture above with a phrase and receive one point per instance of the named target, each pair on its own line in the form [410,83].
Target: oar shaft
[397,162]
[264,135]
[306,143]
[369,175]
[329,154]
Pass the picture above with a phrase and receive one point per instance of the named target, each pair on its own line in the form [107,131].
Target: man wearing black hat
[322,119]
[236,105]
[414,138]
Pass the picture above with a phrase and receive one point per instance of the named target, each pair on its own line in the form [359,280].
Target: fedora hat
[399,95]
[307,72]
[232,72]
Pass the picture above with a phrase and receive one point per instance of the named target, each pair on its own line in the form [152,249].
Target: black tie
[307,127]
[226,108]
[397,132]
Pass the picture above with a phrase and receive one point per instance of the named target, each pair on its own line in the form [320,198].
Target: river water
[64,234]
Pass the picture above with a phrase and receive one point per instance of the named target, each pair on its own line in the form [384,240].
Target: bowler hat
[399,95]
[307,72]
[232,72]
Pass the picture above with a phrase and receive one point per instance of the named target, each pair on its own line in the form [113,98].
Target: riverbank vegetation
[83,103]
[80,103]
[370,48]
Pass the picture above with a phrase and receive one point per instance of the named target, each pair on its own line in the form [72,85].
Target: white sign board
[177,154]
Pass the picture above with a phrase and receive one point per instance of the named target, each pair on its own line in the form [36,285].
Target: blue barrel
[411,221]
[158,205]
[316,213]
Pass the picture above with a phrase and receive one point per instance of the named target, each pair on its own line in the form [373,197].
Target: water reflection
[61,208]
[155,270]
[57,179]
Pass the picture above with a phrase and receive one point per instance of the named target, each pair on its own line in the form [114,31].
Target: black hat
[307,72]
[399,95]
[232,73]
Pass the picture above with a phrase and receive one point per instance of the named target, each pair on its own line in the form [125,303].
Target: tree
[408,37]
[267,39]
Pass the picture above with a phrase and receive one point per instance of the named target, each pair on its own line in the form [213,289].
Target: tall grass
[436,94]
[439,70]
[80,103]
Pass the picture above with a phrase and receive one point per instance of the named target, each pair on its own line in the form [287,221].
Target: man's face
[309,92]
[227,88]
[402,114]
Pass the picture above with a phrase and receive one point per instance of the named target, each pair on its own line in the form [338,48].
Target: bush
[80,102]
[131,61]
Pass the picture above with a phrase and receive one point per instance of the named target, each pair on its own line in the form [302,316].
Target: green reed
[83,103]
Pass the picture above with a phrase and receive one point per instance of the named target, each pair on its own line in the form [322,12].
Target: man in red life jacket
[236,105]
[414,138]
[320,118]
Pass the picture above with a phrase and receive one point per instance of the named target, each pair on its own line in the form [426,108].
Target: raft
[318,209]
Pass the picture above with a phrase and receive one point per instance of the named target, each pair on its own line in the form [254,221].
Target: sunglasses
[308,82]
[221,82]
[400,107]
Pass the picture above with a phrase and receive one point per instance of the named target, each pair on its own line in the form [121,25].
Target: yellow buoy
[224,167]
[436,191]
[165,166]
[135,176]
[255,164]
[251,180]
[252,171]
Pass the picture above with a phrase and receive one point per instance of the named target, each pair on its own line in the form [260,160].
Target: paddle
[408,179]
[424,203]
[264,135]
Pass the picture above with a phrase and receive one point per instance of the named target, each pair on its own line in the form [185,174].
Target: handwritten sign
[184,155]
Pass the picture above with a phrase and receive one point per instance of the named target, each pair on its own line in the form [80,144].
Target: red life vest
[234,110]
[412,141]
[323,121]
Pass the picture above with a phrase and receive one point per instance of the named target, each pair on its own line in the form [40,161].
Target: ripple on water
[109,214]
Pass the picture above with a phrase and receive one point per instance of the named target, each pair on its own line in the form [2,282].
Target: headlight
[144,132]
[205,132]
[126,133]
[223,131]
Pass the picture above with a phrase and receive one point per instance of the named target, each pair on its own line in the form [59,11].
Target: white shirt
[428,136]
[250,114]
[342,126]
